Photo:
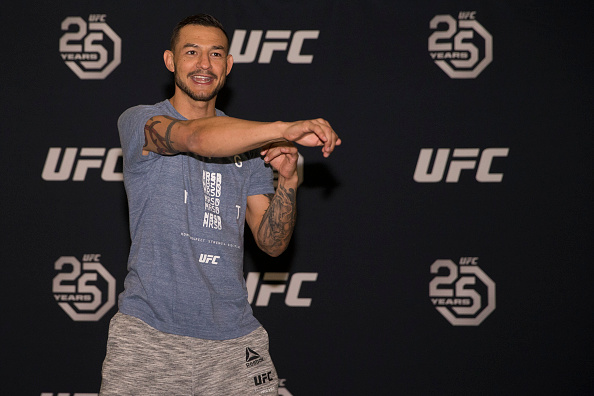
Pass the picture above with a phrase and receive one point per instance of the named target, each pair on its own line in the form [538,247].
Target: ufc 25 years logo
[274,41]
[84,291]
[92,50]
[464,294]
[464,48]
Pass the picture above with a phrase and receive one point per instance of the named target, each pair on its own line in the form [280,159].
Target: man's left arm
[272,217]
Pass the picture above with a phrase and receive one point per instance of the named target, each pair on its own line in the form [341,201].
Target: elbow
[272,238]
[196,144]
[275,253]
[272,250]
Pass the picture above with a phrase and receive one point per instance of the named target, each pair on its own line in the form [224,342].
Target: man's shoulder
[135,117]
[145,108]
[139,114]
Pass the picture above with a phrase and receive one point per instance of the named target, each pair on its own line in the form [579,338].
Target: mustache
[202,72]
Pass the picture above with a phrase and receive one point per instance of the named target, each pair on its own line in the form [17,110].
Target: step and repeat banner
[443,249]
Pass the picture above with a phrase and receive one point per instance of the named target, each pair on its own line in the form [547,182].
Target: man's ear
[229,63]
[168,59]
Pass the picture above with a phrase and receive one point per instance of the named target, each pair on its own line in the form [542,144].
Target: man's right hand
[313,133]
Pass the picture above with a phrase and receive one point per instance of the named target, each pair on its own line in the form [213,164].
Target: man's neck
[192,109]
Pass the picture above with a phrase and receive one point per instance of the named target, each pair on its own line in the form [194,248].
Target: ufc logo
[262,378]
[461,159]
[276,283]
[88,157]
[209,258]
[281,39]
[97,17]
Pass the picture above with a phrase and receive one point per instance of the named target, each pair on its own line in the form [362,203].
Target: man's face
[200,62]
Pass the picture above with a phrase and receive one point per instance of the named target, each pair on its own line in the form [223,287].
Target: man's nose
[204,61]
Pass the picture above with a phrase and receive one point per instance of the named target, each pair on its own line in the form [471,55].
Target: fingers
[274,151]
[327,135]
[313,133]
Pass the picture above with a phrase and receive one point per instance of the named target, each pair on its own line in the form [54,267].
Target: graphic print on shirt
[212,184]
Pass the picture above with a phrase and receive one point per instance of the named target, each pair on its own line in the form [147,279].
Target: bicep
[164,135]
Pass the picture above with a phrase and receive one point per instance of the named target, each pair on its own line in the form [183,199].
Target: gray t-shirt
[187,217]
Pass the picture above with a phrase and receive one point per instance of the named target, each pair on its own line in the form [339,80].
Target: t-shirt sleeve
[261,178]
[131,129]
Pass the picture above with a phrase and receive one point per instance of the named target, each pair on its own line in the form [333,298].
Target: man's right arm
[227,136]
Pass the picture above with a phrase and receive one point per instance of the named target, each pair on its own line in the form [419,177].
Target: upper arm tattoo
[160,139]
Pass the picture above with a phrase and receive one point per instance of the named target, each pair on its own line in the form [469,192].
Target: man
[194,177]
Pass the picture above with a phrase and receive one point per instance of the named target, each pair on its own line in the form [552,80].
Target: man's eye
[217,54]
[191,52]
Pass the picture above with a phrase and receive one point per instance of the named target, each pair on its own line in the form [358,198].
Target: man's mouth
[202,79]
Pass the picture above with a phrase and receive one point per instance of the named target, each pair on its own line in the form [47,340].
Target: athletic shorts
[141,360]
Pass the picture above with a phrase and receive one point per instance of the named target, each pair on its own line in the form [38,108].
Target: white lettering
[275,41]
[467,15]
[49,169]
[208,258]
[278,285]
[483,173]
[212,221]
[294,55]
[97,18]
[252,47]
[267,290]
[468,260]
[83,164]
[456,166]
[269,47]
[111,162]
[51,172]
[293,299]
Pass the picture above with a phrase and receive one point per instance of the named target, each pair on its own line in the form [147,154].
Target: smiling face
[200,62]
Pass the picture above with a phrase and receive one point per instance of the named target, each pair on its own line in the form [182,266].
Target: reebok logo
[250,354]
[252,358]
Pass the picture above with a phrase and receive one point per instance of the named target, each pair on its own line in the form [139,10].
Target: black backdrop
[405,276]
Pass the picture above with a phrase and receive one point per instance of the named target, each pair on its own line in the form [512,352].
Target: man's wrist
[289,182]
[279,131]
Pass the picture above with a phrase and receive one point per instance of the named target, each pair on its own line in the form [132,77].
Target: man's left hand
[283,157]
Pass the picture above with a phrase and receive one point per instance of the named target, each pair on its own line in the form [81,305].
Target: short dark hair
[198,19]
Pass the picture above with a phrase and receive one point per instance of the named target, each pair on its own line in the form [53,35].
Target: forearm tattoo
[278,222]
[162,142]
